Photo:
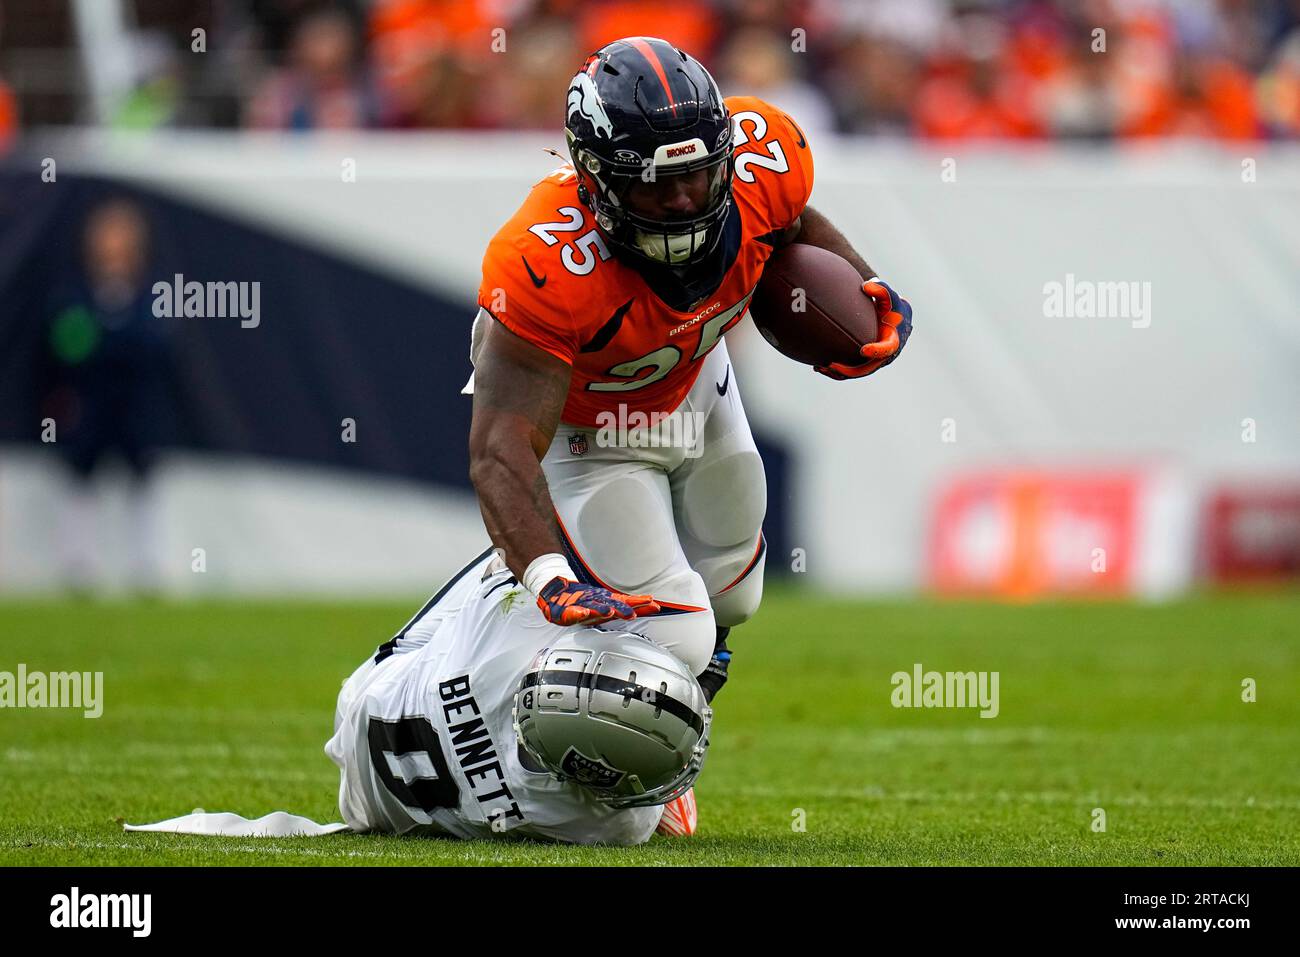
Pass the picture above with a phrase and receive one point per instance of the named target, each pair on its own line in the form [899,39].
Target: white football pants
[674,510]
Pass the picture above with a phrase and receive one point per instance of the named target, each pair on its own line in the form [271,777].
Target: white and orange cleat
[680,817]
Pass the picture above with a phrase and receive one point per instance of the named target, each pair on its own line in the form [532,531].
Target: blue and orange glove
[894,314]
[566,602]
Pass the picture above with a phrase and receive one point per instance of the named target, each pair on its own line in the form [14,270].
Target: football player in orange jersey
[609,448]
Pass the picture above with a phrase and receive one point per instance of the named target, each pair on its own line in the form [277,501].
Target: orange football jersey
[550,277]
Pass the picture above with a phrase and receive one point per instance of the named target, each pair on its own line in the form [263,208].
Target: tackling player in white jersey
[483,719]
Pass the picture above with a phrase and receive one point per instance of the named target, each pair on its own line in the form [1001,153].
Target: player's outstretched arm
[892,310]
[519,393]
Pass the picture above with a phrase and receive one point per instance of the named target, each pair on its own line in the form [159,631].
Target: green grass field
[1136,710]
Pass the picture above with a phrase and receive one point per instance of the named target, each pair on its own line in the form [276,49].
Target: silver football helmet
[615,713]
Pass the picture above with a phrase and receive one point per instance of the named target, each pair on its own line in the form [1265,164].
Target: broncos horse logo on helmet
[651,143]
[585,102]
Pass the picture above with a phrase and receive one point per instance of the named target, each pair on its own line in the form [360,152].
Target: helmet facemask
[621,193]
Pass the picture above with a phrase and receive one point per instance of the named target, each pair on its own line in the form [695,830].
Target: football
[810,306]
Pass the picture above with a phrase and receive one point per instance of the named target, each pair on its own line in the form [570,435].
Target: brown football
[810,306]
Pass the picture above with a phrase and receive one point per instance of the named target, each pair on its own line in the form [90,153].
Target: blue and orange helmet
[651,142]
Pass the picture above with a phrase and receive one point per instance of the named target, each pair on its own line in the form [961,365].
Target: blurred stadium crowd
[935,69]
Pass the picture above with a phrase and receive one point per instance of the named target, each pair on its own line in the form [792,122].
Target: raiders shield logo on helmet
[578,445]
[590,772]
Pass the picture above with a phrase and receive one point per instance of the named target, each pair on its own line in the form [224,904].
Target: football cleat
[680,817]
[715,674]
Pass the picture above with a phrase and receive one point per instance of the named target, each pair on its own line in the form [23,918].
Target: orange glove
[894,314]
[566,602]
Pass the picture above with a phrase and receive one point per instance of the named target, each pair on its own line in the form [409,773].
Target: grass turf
[1135,710]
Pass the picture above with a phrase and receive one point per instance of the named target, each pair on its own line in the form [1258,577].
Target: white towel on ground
[275,824]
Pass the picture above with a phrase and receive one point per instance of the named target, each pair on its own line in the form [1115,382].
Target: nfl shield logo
[577,445]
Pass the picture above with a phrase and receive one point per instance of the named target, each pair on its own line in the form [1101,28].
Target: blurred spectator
[110,383]
[1216,100]
[428,57]
[436,90]
[1081,100]
[276,21]
[983,83]
[690,24]
[873,83]
[8,106]
[910,27]
[758,62]
[944,69]
[323,85]
[155,96]
[8,118]
[1279,89]
[530,94]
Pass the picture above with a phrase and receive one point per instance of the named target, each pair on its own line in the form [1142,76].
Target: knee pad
[688,635]
[738,601]
[685,624]
[723,501]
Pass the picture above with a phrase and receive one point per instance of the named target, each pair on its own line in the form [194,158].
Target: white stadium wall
[989,380]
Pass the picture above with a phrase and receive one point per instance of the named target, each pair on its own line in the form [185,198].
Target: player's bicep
[519,390]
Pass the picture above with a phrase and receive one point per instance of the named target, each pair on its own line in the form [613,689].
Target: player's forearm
[515,501]
[819,231]
[519,392]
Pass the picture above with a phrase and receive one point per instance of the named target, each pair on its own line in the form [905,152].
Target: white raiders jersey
[424,734]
